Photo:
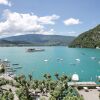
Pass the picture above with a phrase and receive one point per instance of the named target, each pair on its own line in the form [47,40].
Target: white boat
[98,88]
[98,77]
[97,48]
[59,59]
[93,58]
[6,60]
[77,60]
[75,77]
[45,60]
[86,89]
[34,49]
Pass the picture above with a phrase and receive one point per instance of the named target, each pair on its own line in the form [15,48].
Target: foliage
[2,70]
[57,89]
[3,81]
[7,95]
[89,39]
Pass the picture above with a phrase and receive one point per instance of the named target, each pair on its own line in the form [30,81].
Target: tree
[30,77]
[57,76]
[45,76]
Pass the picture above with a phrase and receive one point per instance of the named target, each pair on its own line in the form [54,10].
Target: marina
[7,69]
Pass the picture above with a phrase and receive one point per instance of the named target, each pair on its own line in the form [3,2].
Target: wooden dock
[82,84]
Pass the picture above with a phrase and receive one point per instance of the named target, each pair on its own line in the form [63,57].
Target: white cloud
[48,19]
[44,32]
[72,21]
[50,32]
[5,2]
[72,33]
[16,23]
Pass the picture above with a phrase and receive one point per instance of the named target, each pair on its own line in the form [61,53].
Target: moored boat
[46,60]
[15,64]
[17,67]
[75,77]
[77,60]
[34,49]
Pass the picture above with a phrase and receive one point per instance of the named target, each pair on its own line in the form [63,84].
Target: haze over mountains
[37,40]
[88,39]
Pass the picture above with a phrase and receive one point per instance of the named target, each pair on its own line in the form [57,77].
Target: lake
[55,59]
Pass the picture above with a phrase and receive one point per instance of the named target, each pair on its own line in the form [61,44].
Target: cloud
[21,23]
[72,33]
[72,21]
[44,32]
[5,2]
[50,32]
[48,19]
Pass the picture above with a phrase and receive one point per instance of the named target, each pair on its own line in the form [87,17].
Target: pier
[82,84]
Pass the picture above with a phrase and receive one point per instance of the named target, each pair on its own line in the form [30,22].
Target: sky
[49,17]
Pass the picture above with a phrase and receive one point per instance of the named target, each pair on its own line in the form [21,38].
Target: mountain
[12,43]
[37,40]
[88,39]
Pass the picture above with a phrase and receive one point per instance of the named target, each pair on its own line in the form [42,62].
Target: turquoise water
[34,63]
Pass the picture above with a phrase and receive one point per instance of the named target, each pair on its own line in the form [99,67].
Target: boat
[11,70]
[6,60]
[12,75]
[17,67]
[98,77]
[34,49]
[97,47]
[77,60]
[7,65]
[86,89]
[98,88]
[75,77]
[59,59]
[15,64]
[93,58]
[45,60]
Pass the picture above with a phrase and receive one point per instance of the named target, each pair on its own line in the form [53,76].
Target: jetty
[82,84]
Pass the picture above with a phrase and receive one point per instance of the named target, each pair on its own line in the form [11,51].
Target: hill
[88,39]
[37,40]
[12,43]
